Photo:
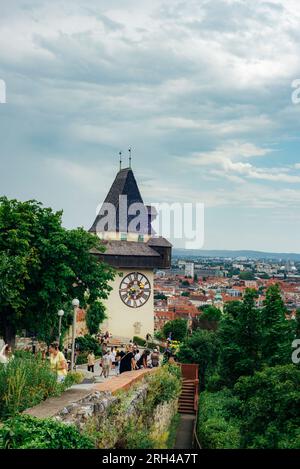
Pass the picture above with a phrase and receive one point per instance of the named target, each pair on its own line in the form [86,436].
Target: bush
[216,428]
[26,382]
[201,348]
[165,385]
[25,432]
[178,327]
[139,341]
[269,403]
[81,358]
[129,423]
[87,343]
[158,335]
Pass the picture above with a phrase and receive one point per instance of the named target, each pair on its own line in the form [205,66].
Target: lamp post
[60,315]
[75,304]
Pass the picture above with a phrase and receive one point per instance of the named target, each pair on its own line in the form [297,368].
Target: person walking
[6,354]
[155,358]
[58,362]
[91,361]
[119,355]
[127,361]
[113,357]
[106,364]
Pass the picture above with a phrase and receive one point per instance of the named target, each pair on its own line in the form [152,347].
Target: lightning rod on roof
[129,151]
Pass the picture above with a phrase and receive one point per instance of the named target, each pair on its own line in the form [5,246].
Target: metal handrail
[196,442]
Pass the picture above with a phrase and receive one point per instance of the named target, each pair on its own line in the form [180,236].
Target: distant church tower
[135,252]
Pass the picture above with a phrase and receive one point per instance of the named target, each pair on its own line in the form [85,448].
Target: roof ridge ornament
[120,155]
[129,151]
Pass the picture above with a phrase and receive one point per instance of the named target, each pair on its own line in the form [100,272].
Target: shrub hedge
[25,432]
[88,343]
[25,382]
[216,428]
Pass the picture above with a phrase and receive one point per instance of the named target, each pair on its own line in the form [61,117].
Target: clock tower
[124,225]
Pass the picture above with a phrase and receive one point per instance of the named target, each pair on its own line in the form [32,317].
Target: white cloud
[224,159]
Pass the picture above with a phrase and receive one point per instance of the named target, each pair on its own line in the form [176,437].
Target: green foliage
[185,293]
[241,340]
[211,313]
[135,436]
[278,333]
[178,327]
[173,431]
[160,296]
[95,316]
[88,343]
[297,327]
[127,429]
[251,354]
[26,382]
[261,411]
[25,432]
[201,348]
[165,385]
[185,283]
[139,341]
[246,276]
[42,267]
[216,428]
[81,359]
[158,335]
[269,404]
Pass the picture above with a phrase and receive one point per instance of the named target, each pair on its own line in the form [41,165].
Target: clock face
[135,290]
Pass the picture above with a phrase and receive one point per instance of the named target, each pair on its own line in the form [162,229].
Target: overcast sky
[201,90]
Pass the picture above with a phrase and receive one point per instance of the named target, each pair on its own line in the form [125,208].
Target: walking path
[50,407]
[184,436]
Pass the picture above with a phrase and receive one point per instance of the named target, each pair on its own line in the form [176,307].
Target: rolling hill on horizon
[250,254]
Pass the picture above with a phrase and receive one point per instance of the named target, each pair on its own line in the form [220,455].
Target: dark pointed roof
[124,185]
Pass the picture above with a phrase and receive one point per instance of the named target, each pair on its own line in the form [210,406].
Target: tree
[178,328]
[185,293]
[160,296]
[269,408]
[95,316]
[246,276]
[278,332]
[297,328]
[42,267]
[211,313]
[241,339]
[232,308]
[185,283]
[201,348]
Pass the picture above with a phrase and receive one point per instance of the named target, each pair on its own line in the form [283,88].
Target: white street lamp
[60,315]
[75,304]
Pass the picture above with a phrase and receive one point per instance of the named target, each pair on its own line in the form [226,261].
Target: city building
[189,269]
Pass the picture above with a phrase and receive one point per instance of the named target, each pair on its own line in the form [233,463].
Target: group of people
[123,360]
[112,358]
